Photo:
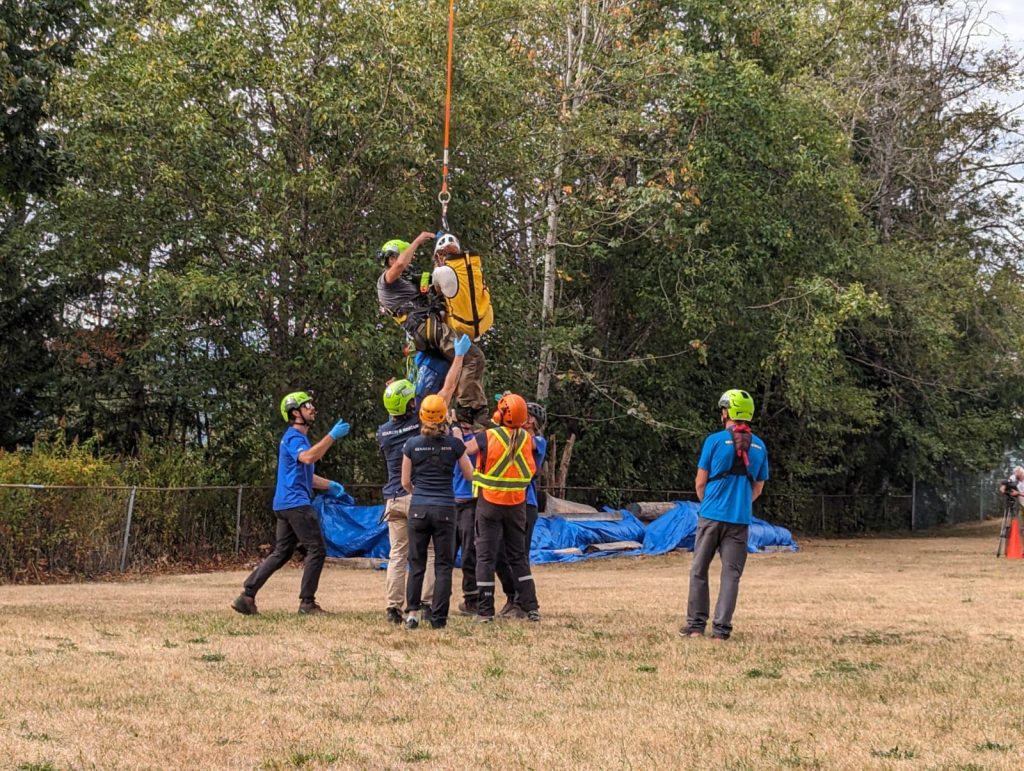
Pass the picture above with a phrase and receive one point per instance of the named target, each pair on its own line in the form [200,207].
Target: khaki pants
[396,512]
[470,390]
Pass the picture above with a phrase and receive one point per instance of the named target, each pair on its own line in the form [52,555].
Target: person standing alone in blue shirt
[731,473]
[297,522]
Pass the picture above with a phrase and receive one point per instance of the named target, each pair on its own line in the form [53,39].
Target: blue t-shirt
[540,449]
[729,499]
[294,478]
[462,488]
[391,437]
[431,370]
[433,458]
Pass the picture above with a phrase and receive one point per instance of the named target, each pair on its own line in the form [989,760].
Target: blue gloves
[462,343]
[340,430]
[335,489]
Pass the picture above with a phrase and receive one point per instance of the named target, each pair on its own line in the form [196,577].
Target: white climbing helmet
[447,243]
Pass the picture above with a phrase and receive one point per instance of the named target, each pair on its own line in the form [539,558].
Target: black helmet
[538,413]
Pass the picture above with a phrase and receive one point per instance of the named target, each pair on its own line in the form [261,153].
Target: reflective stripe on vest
[511,471]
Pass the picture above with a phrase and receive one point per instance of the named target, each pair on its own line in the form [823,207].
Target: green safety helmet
[739,403]
[293,401]
[395,246]
[397,397]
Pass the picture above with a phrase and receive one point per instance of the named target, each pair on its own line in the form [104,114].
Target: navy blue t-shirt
[294,478]
[433,459]
[392,437]
[729,499]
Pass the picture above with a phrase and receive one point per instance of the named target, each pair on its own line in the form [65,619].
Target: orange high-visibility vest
[504,474]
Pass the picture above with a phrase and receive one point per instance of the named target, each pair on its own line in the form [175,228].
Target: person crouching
[427,465]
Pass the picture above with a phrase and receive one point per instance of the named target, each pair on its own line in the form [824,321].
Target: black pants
[294,527]
[465,516]
[495,524]
[504,569]
[426,524]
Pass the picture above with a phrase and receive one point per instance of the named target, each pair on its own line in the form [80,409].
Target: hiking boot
[438,624]
[507,609]
[719,638]
[467,608]
[310,608]
[688,632]
[533,615]
[412,622]
[482,418]
[245,605]
[516,612]
[465,415]
[394,615]
[479,416]
[484,619]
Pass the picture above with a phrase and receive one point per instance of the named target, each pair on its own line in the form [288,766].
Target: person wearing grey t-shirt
[421,315]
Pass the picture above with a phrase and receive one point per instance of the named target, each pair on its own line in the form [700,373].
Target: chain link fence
[88,531]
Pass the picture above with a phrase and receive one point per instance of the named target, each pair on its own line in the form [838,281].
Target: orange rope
[444,196]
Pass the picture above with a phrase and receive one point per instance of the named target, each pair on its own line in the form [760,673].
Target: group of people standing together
[456,477]
[459,476]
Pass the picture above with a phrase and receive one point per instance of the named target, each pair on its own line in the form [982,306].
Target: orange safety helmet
[434,409]
[511,411]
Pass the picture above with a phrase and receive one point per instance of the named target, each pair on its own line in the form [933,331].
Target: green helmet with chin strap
[393,247]
[739,403]
[293,401]
[397,397]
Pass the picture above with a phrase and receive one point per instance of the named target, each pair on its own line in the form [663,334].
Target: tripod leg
[1004,529]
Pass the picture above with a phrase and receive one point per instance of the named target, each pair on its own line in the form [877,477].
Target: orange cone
[1013,545]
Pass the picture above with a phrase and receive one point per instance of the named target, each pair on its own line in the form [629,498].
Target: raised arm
[451,380]
[405,258]
[318,450]
[472,447]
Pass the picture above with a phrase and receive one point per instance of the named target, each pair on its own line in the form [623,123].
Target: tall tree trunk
[547,354]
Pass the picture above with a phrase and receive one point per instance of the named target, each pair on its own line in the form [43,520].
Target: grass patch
[813,678]
[895,753]
[312,759]
[765,673]
[990,746]
[870,638]
[43,766]
[847,667]
[410,755]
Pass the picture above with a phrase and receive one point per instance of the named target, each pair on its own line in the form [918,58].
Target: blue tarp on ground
[356,531]
[553,533]
[677,528]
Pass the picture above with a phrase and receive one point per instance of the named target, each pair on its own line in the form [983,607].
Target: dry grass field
[871,653]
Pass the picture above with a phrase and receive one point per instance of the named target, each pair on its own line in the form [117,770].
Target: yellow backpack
[466,296]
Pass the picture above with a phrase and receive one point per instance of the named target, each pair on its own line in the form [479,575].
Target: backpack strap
[740,458]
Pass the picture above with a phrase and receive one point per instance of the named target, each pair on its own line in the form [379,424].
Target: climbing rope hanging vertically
[444,196]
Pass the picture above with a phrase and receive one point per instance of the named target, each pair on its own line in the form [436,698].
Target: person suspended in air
[433,310]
